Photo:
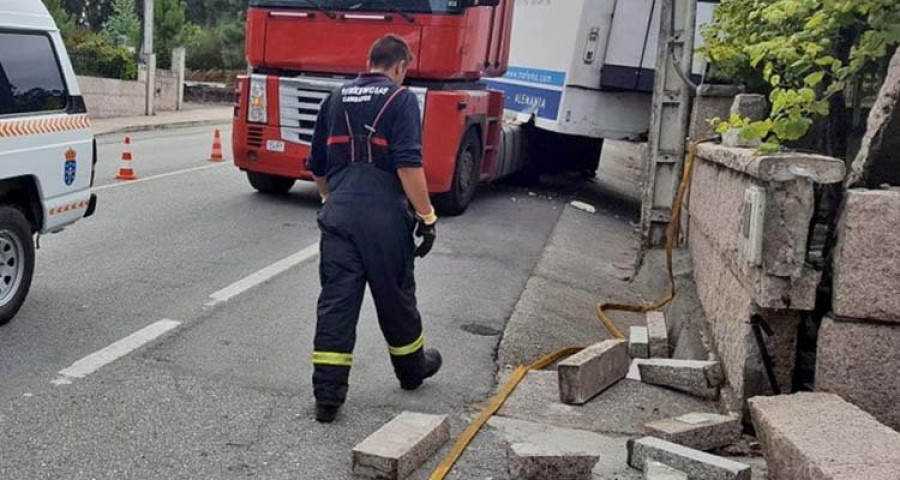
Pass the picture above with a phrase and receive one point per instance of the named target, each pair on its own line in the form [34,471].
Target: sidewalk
[588,258]
[192,115]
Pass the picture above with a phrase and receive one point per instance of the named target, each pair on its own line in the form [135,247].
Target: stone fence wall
[858,354]
[749,223]
[107,97]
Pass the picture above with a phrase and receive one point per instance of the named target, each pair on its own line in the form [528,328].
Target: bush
[804,54]
[219,47]
[94,55]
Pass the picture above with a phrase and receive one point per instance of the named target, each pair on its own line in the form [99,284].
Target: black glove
[427,233]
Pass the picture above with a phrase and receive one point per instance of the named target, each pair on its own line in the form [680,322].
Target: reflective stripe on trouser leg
[409,348]
[333,358]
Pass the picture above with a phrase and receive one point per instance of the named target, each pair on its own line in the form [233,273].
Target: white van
[47,150]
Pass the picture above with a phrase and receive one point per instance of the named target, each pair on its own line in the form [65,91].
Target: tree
[169,29]
[218,47]
[806,53]
[64,20]
[124,22]
[89,13]
[214,12]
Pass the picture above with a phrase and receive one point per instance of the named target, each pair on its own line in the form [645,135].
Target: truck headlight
[257,111]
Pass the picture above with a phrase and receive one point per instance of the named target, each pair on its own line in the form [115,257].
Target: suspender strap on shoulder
[380,141]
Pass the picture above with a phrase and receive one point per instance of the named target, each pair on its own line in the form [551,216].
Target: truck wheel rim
[12,254]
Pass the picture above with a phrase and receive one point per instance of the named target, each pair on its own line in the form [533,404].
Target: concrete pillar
[179,56]
[150,99]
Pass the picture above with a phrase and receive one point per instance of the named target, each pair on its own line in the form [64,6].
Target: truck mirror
[481,3]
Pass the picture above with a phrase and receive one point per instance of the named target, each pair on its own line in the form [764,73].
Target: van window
[30,79]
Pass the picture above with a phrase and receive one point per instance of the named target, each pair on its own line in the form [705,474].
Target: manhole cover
[481,330]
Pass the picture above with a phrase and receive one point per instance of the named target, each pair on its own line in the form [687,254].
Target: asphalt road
[225,391]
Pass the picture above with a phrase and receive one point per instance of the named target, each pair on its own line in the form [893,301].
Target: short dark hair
[388,51]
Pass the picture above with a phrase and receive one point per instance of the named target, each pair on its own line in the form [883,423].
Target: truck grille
[301,99]
[255,137]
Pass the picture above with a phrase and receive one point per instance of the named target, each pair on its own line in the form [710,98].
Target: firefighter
[367,162]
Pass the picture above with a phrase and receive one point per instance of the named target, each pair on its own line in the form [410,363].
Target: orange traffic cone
[126,171]
[216,155]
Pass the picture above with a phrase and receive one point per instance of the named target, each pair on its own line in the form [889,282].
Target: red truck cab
[301,50]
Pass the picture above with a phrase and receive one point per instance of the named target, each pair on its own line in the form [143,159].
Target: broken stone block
[659,339]
[819,436]
[702,431]
[696,377]
[867,256]
[638,342]
[400,446]
[877,162]
[694,463]
[711,101]
[859,361]
[610,449]
[592,370]
[533,462]
[660,471]
[752,106]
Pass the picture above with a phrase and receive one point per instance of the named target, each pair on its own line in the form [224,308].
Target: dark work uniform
[365,131]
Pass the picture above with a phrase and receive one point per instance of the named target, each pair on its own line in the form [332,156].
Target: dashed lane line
[262,276]
[115,351]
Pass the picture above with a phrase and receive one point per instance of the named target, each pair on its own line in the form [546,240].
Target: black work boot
[433,362]
[326,413]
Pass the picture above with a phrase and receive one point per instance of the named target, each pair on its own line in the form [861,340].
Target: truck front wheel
[16,261]
[270,184]
[465,177]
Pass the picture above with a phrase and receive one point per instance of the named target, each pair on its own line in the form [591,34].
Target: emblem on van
[70,167]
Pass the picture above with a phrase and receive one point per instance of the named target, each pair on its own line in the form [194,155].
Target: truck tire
[270,184]
[16,261]
[465,177]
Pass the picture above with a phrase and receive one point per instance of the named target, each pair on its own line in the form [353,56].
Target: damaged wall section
[749,223]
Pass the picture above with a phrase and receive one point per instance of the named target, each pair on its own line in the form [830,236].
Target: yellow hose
[519,373]
[493,406]
[672,233]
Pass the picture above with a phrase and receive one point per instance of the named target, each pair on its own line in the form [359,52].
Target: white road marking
[125,183]
[119,349]
[263,276]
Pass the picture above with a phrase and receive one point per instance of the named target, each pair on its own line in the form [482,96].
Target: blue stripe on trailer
[536,75]
[521,98]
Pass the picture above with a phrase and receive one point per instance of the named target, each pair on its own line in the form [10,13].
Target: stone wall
[859,348]
[106,97]
[731,284]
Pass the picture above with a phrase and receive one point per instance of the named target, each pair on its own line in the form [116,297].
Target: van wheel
[271,184]
[16,261]
[465,177]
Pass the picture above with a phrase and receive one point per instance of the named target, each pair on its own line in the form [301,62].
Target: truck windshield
[407,6]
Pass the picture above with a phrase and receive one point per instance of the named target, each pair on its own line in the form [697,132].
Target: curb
[162,126]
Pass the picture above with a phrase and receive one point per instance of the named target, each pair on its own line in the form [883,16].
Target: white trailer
[586,67]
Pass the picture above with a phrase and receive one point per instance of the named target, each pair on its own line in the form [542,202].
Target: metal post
[669,120]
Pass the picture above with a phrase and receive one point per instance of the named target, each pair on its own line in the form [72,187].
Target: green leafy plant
[805,53]
[94,55]
[64,20]
[123,23]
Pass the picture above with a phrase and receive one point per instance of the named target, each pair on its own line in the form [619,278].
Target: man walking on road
[367,162]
